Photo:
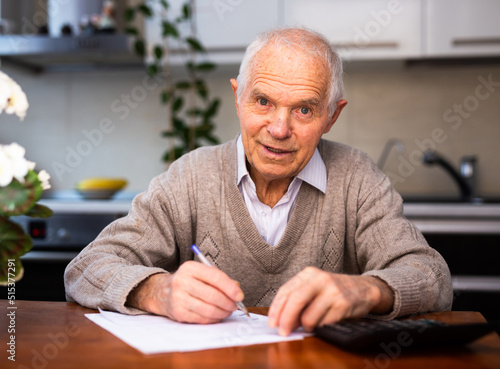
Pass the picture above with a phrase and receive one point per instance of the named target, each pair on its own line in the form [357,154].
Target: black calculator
[377,335]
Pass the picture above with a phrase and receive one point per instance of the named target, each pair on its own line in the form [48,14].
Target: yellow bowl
[97,194]
[101,183]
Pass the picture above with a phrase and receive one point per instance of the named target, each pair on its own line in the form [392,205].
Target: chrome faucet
[393,142]
[468,171]
[465,179]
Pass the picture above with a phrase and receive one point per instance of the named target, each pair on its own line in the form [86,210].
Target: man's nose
[279,127]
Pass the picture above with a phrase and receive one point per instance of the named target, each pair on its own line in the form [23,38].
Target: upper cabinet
[226,27]
[362,29]
[462,28]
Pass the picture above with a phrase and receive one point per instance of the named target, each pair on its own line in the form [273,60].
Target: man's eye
[305,110]
[263,102]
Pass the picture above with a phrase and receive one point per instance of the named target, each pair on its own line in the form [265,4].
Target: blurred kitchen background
[419,75]
[408,77]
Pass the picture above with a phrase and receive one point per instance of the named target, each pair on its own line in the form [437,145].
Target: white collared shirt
[271,222]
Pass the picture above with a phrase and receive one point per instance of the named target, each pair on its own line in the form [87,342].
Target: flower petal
[6,172]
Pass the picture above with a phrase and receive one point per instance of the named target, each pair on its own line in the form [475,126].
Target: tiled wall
[101,123]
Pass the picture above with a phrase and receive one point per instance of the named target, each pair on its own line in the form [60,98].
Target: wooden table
[52,335]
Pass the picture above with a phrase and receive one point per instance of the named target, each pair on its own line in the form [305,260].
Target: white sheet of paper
[153,334]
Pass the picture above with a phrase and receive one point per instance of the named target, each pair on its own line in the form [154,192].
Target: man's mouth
[277,151]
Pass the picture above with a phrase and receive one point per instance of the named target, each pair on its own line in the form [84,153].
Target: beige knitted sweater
[357,227]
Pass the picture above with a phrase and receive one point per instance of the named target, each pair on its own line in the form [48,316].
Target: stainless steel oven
[57,240]
[467,235]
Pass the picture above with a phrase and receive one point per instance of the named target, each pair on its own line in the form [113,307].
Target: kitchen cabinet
[362,29]
[462,28]
[226,27]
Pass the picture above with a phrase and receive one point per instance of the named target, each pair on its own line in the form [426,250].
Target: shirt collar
[313,173]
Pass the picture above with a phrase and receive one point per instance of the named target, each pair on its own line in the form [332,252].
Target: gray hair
[309,42]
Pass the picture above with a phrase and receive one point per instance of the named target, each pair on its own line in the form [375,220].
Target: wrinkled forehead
[290,63]
[289,68]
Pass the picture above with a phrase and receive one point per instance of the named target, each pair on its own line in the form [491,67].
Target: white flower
[44,177]
[12,98]
[18,103]
[19,164]
[13,164]
[6,173]
[5,90]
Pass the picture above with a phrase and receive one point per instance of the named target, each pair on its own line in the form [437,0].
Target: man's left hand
[314,297]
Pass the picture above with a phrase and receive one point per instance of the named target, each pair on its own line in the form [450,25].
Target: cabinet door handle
[226,49]
[476,283]
[476,41]
[346,45]
[354,45]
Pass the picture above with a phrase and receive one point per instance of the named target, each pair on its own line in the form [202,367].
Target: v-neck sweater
[356,227]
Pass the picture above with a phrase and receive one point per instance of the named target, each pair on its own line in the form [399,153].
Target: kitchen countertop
[456,218]
[426,210]
[451,210]
[428,217]
[70,202]
[75,206]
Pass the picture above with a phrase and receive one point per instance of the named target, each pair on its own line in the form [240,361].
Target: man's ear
[234,86]
[340,105]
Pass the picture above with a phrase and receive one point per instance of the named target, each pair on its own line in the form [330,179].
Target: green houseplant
[20,189]
[191,108]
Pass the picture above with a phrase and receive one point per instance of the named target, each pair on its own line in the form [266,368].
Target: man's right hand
[195,293]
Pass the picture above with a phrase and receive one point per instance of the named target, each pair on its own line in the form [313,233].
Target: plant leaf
[204,129]
[164,4]
[194,44]
[132,31]
[185,136]
[18,198]
[192,112]
[174,154]
[191,67]
[179,125]
[169,29]
[183,85]
[140,48]
[129,14]
[166,96]
[205,67]
[202,89]
[177,104]
[179,151]
[40,211]
[186,10]
[152,69]
[169,133]
[13,244]
[146,10]
[212,109]
[158,52]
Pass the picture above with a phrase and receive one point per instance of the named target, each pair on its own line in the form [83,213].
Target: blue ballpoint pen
[205,261]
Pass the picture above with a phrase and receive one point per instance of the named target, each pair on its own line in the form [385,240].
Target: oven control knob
[62,234]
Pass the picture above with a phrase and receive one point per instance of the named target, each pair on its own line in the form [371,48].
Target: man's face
[283,113]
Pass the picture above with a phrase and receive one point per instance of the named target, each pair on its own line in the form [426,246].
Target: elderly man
[308,227]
